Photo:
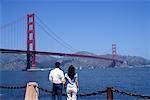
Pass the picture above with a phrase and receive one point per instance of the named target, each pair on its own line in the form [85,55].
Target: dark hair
[71,71]
[57,64]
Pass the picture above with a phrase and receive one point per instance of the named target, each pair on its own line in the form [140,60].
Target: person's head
[71,71]
[57,65]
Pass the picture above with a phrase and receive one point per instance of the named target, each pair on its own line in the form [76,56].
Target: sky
[88,25]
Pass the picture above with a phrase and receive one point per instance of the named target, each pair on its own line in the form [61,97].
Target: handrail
[86,94]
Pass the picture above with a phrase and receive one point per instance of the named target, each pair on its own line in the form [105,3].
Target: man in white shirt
[56,76]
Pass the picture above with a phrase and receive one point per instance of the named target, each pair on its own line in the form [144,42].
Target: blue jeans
[57,90]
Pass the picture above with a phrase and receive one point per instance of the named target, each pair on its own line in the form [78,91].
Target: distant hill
[18,62]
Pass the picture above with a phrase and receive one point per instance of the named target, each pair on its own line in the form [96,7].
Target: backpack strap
[67,77]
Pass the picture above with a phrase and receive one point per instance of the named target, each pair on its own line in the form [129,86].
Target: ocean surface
[136,80]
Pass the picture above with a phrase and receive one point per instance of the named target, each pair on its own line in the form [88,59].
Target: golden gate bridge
[24,29]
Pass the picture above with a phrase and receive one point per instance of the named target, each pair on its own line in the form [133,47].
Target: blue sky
[88,25]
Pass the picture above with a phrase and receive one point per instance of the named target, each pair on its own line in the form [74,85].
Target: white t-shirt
[56,76]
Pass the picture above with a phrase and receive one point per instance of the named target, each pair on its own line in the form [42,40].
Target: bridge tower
[114,55]
[30,41]
[114,52]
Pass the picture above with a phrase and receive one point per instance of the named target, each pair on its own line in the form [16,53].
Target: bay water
[136,80]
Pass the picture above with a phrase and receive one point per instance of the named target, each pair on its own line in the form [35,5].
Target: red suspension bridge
[15,33]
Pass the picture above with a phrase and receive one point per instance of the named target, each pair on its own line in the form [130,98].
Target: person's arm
[77,84]
[65,84]
[50,77]
[63,78]
[76,81]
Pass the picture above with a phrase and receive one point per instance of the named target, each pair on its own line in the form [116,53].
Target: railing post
[109,93]
[32,91]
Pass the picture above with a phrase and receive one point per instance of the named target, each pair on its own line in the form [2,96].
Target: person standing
[71,83]
[56,76]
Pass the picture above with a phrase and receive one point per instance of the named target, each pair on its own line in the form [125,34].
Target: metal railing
[109,91]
